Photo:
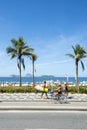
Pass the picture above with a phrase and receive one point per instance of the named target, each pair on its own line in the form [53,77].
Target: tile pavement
[37,97]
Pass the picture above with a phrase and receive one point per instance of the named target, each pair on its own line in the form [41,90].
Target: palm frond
[23,64]
[14,43]
[83,56]
[18,65]
[27,51]
[82,65]
[13,55]
[10,49]
[70,55]
[80,49]
[74,49]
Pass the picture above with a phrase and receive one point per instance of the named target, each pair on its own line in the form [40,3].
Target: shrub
[29,89]
[13,89]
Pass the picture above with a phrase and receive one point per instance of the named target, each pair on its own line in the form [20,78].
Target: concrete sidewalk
[33,102]
[41,106]
[37,97]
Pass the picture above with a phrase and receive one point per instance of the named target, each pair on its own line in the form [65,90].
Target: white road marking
[55,129]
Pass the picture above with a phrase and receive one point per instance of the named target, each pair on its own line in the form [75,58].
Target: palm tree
[33,58]
[19,49]
[79,54]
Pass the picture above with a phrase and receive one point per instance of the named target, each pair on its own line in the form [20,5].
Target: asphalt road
[42,120]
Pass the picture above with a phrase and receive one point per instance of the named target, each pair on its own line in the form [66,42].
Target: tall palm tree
[79,54]
[19,49]
[33,58]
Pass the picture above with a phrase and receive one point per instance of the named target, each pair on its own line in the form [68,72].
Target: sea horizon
[39,79]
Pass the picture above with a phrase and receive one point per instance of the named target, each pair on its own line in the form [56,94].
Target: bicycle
[62,98]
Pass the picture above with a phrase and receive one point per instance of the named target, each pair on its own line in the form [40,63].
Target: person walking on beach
[45,90]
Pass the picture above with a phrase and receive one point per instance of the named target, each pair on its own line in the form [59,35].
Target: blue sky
[51,27]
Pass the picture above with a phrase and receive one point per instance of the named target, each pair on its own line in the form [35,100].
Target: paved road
[43,120]
[40,106]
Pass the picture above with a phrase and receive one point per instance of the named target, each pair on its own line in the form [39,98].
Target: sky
[51,27]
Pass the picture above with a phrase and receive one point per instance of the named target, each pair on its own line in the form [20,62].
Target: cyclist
[59,91]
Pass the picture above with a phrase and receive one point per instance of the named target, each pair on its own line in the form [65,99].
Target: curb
[35,100]
[41,109]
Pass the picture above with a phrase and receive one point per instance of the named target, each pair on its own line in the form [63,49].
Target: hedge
[29,89]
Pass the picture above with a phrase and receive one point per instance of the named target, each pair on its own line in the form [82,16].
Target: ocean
[40,79]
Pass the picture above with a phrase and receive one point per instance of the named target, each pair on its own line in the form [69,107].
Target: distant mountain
[28,75]
[13,75]
[51,76]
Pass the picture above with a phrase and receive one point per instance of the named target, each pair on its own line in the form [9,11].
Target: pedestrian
[59,91]
[66,89]
[45,90]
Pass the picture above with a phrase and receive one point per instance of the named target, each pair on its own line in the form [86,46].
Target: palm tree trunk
[77,86]
[33,72]
[20,73]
